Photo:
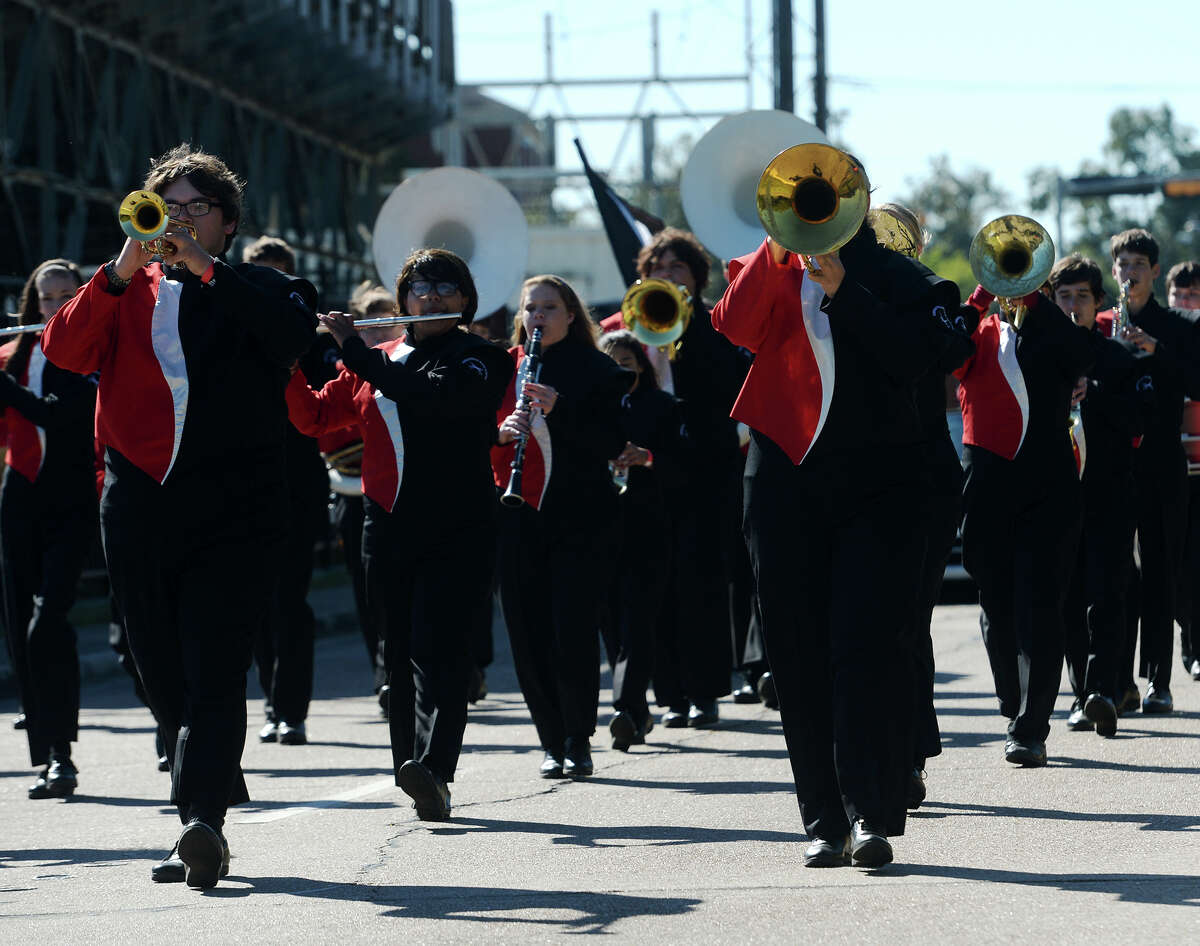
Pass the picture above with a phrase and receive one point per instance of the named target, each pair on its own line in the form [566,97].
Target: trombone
[1012,256]
[812,198]
[658,312]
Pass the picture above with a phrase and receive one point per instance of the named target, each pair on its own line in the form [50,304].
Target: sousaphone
[721,176]
[462,211]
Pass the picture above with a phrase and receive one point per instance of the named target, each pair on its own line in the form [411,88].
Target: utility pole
[820,112]
[785,84]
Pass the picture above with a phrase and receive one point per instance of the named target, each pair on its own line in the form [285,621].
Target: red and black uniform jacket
[566,458]
[833,380]
[192,372]
[1015,390]
[48,414]
[1166,377]
[427,413]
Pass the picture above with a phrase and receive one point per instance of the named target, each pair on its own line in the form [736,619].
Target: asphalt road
[693,838]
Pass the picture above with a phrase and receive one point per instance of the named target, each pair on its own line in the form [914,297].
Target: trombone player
[842,329]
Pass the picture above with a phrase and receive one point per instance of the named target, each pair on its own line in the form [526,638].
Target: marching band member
[1168,343]
[47,526]
[837,351]
[1183,292]
[426,407]
[651,469]
[557,547]
[1021,502]
[284,643]
[1111,417]
[193,355]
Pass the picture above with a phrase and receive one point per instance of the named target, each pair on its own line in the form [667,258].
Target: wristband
[116,285]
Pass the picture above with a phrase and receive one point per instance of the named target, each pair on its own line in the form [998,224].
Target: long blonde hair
[581,328]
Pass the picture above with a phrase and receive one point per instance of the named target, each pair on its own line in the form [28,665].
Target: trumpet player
[425,404]
[833,536]
[1168,350]
[1111,417]
[193,355]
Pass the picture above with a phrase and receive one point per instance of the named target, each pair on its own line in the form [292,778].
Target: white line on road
[281,813]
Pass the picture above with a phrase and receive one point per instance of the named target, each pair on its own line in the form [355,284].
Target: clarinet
[531,370]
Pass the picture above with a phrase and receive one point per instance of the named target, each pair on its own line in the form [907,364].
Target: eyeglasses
[195,208]
[423,287]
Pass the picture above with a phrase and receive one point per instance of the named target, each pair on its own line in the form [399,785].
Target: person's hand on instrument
[514,427]
[339,324]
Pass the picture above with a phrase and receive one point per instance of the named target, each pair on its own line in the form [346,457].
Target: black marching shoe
[58,780]
[19,721]
[822,853]
[1077,721]
[747,692]
[384,694]
[202,851]
[552,766]
[868,847]
[290,735]
[1103,714]
[269,732]
[1195,669]
[1130,701]
[625,732]
[577,758]
[1158,700]
[429,792]
[171,870]
[916,789]
[703,714]
[676,717]
[1029,753]
[766,691]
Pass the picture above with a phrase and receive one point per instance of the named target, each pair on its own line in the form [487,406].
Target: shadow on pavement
[700,788]
[51,857]
[634,835]
[1146,822]
[1176,889]
[317,773]
[1123,766]
[583,911]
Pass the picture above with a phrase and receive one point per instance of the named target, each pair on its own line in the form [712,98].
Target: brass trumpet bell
[812,198]
[143,216]
[1011,256]
[657,311]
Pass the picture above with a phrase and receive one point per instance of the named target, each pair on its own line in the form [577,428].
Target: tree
[1140,142]
[952,207]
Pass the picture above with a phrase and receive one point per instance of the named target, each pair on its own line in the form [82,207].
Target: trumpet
[143,217]
[812,198]
[1012,256]
[658,312]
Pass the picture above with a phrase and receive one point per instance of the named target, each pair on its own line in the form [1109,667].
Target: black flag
[628,227]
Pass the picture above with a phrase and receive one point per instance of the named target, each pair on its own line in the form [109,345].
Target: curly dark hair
[686,248]
[208,174]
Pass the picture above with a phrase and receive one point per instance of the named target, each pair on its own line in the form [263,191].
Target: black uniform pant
[348,522]
[1096,604]
[193,570]
[553,572]
[1187,605]
[749,654]
[836,565]
[43,545]
[1019,537]
[635,603]
[1162,510]
[425,585]
[693,656]
[283,647]
[940,523]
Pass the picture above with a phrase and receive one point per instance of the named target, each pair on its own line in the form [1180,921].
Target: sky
[1001,86]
